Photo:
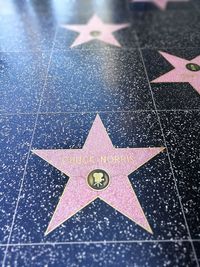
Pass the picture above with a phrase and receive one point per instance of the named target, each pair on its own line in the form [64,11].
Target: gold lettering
[123,159]
[103,159]
[117,159]
[112,159]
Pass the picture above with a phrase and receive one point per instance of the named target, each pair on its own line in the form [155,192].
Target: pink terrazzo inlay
[98,153]
[95,29]
[185,71]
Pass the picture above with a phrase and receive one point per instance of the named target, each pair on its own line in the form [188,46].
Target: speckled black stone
[2,251]
[22,77]
[197,248]
[25,30]
[96,81]
[153,184]
[66,10]
[81,81]
[182,136]
[170,95]
[178,6]
[168,29]
[15,137]
[101,255]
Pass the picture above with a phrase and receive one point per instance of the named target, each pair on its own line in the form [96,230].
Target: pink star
[95,29]
[184,71]
[162,4]
[98,155]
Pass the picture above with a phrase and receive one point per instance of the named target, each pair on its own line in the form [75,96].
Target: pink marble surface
[98,153]
[180,73]
[95,24]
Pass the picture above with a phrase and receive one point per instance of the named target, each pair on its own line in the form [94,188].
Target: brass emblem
[95,33]
[193,67]
[98,179]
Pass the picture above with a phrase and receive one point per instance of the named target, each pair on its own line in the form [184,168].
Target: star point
[161,4]
[98,170]
[184,71]
[95,29]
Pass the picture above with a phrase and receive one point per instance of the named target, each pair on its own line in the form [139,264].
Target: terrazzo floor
[100,131]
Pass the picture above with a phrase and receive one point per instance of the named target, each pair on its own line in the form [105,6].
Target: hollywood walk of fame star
[98,170]
[95,29]
[185,71]
[162,4]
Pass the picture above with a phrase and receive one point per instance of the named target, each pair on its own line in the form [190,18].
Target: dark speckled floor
[50,95]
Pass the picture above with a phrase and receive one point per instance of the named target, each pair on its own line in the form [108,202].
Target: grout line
[29,151]
[96,242]
[98,111]
[170,163]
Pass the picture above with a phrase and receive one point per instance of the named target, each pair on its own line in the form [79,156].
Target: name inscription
[113,159]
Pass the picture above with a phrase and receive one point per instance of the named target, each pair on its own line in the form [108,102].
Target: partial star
[95,29]
[98,170]
[185,71]
[162,4]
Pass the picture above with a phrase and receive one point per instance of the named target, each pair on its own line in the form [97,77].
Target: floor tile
[22,81]
[197,248]
[161,6]
[182,135]
[26,35]
[16,132]
[25,29]
[109,255]
[172,95]
[62,10]
[2,251]
[94,81]
[169,29]
[153,184]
